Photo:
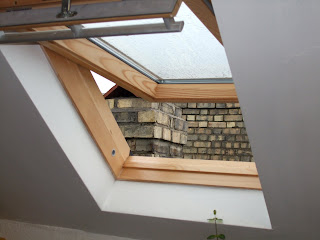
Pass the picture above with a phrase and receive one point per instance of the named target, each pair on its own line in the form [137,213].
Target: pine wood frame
[90,56]
[96,115]
[206,16]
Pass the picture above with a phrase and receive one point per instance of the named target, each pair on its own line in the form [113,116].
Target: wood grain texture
[176,8]
[93,109]
[192,165]
[94,58]
[88,55]
[196,93]
[200,9]
[180,177]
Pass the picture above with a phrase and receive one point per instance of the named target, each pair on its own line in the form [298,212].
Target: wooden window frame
[90,56]
[97,116]
[206,16]
[72,61]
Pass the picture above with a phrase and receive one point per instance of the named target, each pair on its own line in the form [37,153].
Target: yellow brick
[166,134]
[176,136]
[124,103]
[147,116]
[110,103]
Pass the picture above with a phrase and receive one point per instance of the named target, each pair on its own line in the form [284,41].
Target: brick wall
[216,131]
[209,131]
[151,129]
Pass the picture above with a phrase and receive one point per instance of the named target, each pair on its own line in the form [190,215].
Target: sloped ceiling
[273,50]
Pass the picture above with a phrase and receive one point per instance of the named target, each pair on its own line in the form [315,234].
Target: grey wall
[13,230]
[274,52]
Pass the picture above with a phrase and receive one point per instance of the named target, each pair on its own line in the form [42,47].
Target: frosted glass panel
[191,54]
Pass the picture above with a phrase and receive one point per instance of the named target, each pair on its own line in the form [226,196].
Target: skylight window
[101,124]
[193,53]
[72,61]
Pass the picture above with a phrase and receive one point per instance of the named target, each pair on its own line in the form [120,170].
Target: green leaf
[211,237]
[214,212]
[221,236]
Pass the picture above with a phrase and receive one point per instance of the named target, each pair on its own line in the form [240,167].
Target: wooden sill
[190,171]
[192,165]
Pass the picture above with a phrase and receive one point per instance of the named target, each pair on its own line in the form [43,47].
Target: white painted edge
[47,94]
[173,201]
[238,207]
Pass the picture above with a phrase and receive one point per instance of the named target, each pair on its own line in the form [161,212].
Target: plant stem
[215,223]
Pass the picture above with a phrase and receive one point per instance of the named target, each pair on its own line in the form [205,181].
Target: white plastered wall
[182,202]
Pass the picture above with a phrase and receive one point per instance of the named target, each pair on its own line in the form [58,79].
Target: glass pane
[193,53]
